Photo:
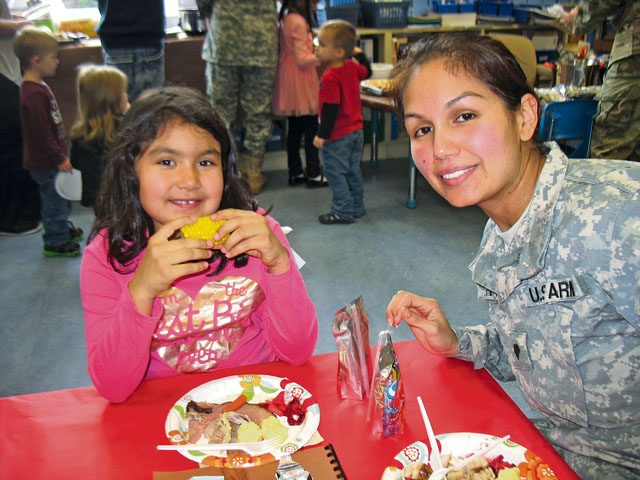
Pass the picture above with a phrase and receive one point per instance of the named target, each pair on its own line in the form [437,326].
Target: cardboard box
[545,42]
[459,19]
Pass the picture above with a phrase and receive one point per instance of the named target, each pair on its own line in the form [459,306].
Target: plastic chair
[569,124]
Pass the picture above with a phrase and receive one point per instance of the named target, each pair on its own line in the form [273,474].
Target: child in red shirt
[45,145]
[340,135]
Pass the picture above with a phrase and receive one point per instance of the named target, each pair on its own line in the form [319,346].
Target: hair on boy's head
[100,91]
[342,34]
[33,41]
[118,206]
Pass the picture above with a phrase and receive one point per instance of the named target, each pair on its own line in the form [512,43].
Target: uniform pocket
[544,363]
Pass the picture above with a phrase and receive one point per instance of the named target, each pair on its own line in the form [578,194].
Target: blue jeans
[55,209]
[144,67]
[341,159]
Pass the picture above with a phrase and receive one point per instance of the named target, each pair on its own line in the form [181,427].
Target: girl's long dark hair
[118,206]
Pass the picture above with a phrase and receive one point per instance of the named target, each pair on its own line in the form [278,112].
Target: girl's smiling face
[464,140]
[180,173]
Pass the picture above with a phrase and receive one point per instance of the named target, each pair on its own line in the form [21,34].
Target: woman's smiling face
[464,140]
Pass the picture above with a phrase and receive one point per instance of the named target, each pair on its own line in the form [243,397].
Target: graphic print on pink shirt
[194,335]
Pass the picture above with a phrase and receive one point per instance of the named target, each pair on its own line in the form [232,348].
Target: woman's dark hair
[118,206]
[483,58]
[303,7]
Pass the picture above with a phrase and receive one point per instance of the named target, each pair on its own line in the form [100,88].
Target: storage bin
[466,7]
[489,9]
[348,10]
[505,9]
[444,7]
[495,9]
[385,14]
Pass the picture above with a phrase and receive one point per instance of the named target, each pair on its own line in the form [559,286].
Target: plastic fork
[253,448]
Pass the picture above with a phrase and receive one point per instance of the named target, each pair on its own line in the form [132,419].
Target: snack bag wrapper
[386,399]
[351,333]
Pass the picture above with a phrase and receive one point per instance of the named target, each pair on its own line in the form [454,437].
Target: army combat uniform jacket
[564,302]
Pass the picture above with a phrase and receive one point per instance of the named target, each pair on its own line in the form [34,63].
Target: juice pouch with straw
[386,399]
[351,333]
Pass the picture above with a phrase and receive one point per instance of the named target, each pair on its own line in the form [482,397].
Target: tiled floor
[425,250]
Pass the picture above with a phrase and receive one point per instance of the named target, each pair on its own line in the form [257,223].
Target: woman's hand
[165,261]
[249,233]
[426,320]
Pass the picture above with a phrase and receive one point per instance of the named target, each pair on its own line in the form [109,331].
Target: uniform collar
[525,256]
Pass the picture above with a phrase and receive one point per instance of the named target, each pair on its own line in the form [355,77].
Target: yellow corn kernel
[204,228]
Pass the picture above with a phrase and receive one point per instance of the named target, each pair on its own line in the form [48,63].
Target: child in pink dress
[296,93]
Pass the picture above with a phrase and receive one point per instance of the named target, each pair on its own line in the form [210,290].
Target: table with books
[76,433]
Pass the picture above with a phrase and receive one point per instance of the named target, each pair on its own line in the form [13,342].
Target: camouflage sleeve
[624,281]
[481,345]
[592,13]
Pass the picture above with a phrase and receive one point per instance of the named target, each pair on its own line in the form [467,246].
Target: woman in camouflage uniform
[559,262]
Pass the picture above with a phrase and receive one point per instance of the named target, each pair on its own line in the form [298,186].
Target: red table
[76,434]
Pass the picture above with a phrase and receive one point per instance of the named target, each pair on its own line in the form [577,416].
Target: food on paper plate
[383,84]
[204,229]
[236,421]
[479,469]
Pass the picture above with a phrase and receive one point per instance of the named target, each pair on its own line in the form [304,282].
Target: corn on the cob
[204,228]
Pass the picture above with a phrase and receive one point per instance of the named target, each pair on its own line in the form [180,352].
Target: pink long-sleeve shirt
[242,316]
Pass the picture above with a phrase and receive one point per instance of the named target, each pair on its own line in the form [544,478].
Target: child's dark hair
[303,7]
[118,206]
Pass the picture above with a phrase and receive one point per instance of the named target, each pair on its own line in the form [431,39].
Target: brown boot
[256,180]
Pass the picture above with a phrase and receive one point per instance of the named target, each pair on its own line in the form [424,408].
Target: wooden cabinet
[183,66]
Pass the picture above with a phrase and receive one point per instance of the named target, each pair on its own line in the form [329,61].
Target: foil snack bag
[351,333]
[386,400]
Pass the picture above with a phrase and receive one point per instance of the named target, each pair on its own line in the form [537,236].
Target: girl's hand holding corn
[165,261]
[249,233]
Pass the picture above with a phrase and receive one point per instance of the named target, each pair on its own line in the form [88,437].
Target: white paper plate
[257,389]
[69,185]
[531,466]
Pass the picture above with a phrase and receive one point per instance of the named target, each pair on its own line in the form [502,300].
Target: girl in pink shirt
[157,305]
[296,92]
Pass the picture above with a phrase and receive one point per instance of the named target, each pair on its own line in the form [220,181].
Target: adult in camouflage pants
[616,132]
[241,51]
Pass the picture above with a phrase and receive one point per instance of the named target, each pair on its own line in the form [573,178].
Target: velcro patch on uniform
[486,294]
[562,290]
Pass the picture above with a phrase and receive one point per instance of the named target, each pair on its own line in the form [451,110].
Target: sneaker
[295,180]
[332,218]
[75,233]
[22,228]
[69,249]
[316,182]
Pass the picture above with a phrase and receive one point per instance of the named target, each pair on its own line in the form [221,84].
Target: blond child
[45,147]
[340,135]
[102,100]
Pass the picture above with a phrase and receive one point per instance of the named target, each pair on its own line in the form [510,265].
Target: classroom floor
[425,250]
